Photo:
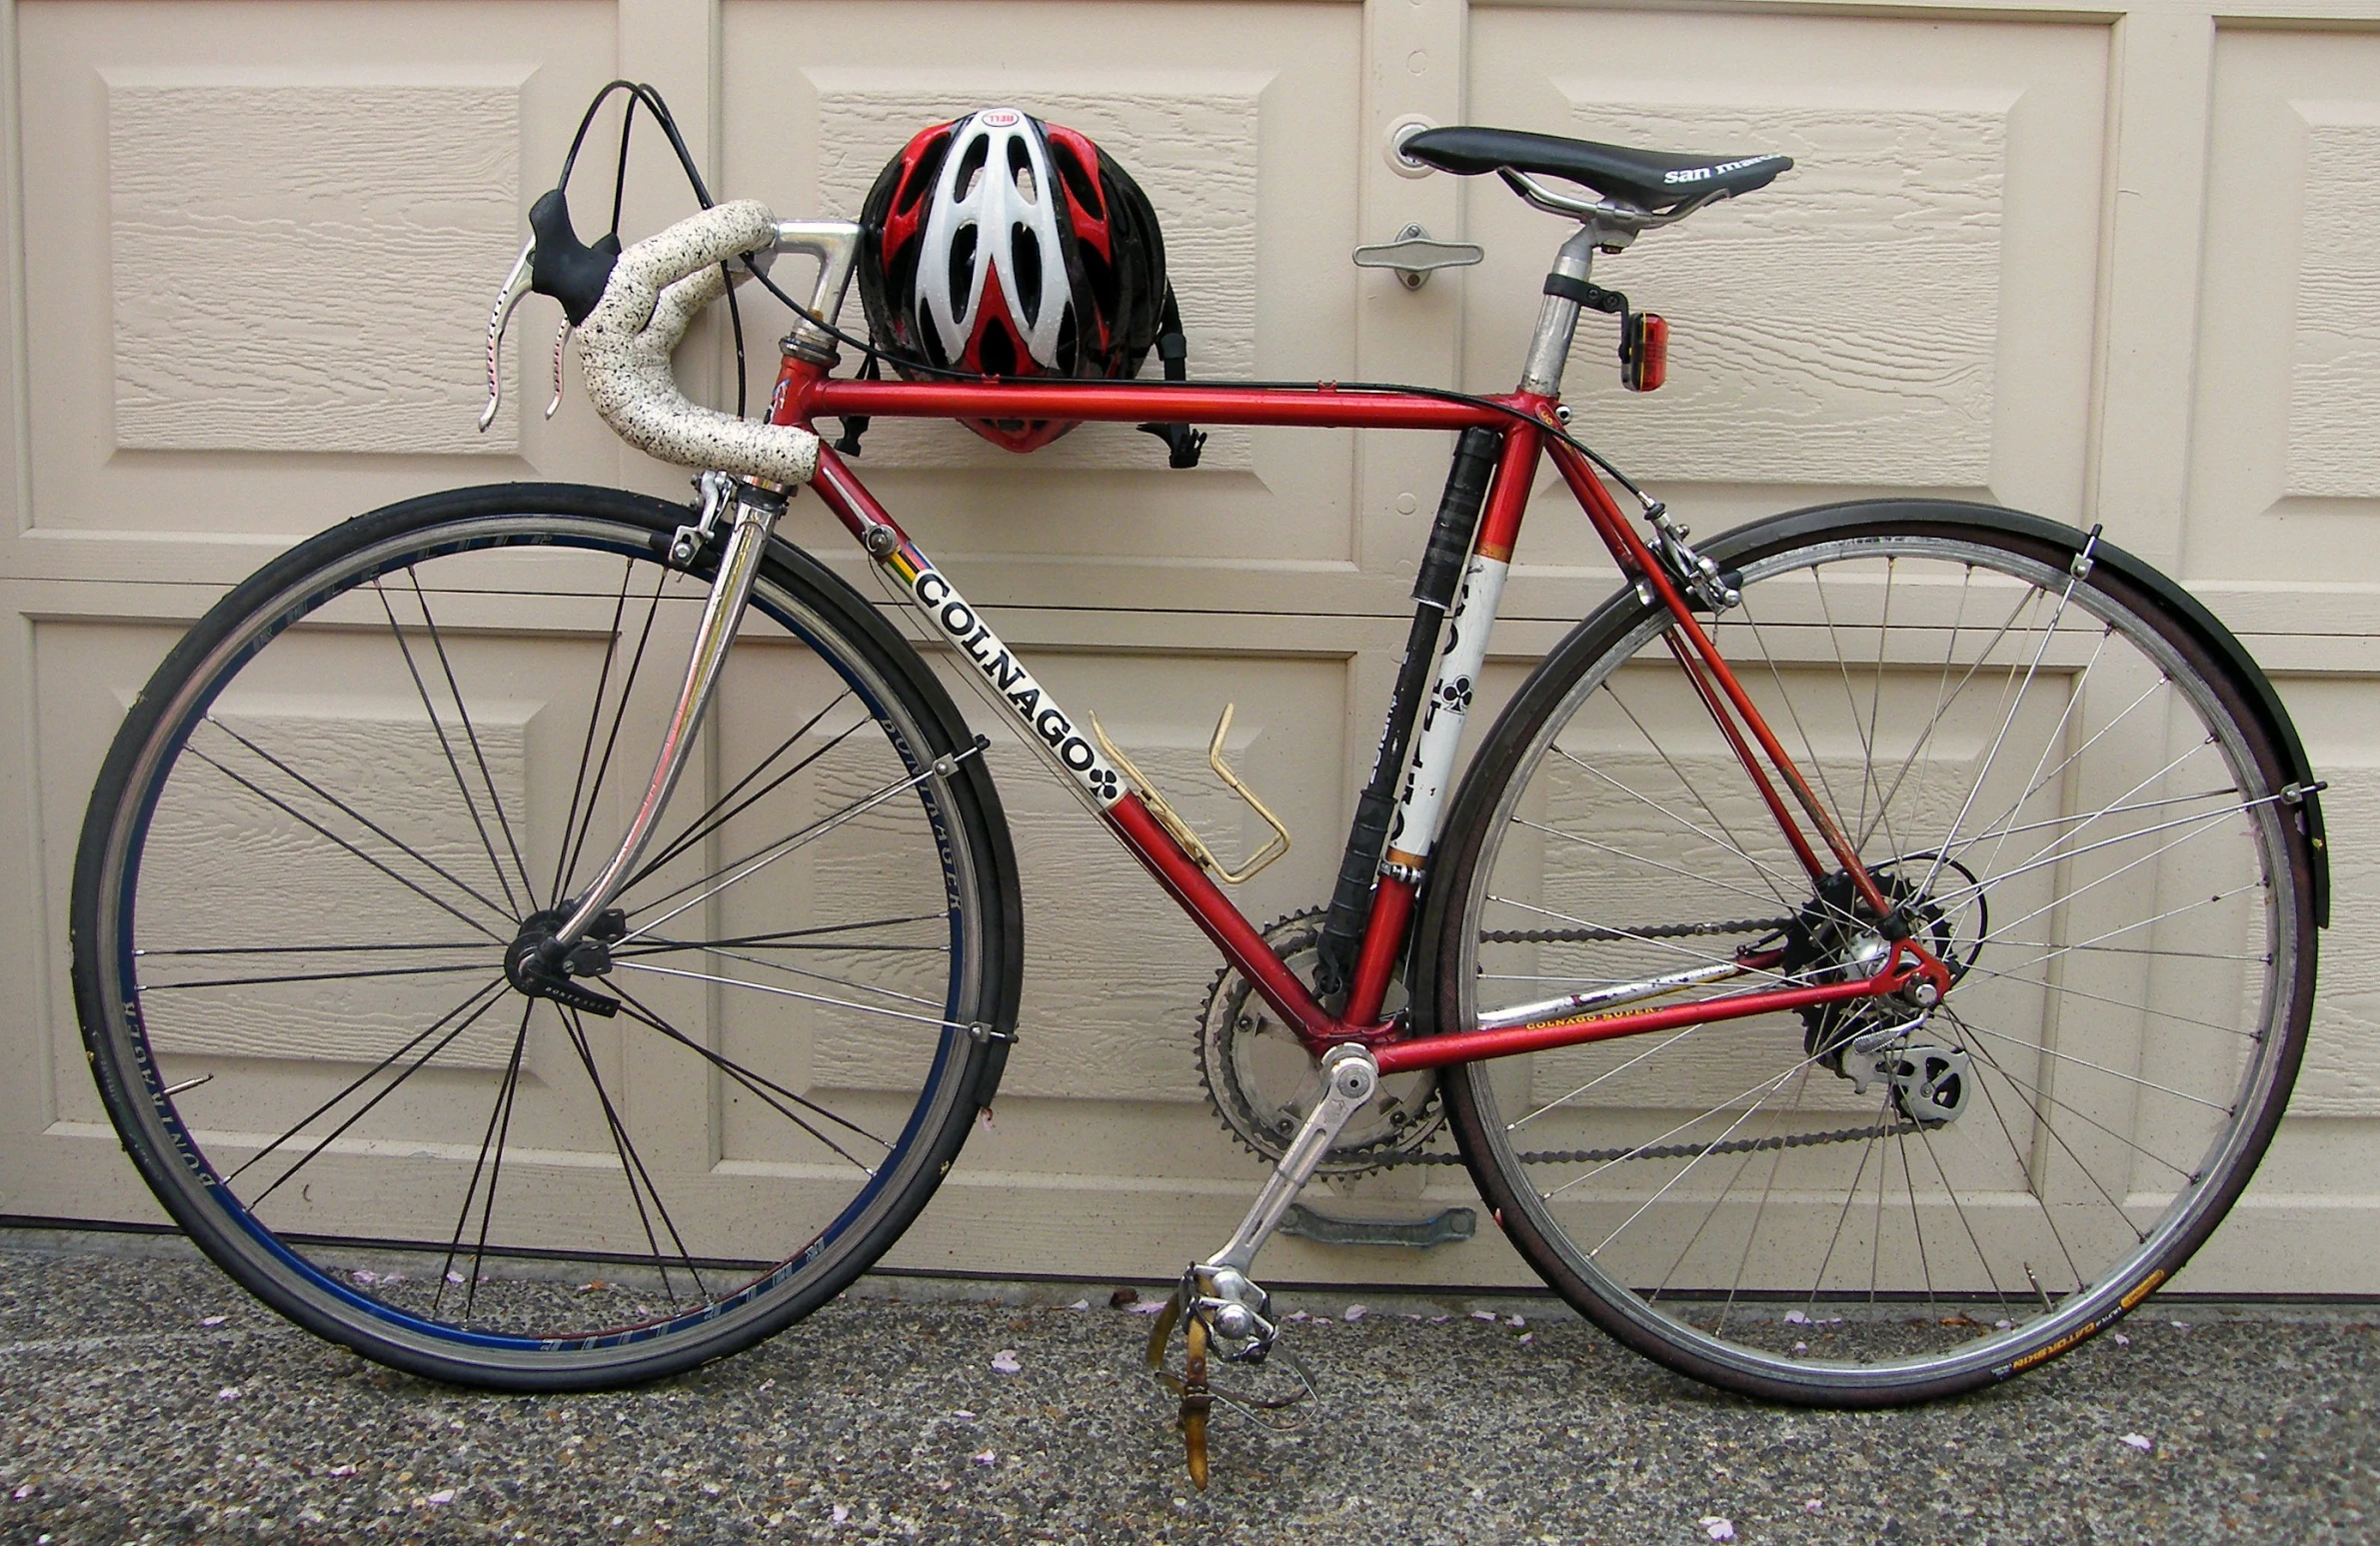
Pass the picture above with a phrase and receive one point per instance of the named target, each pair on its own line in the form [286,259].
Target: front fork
[757,508]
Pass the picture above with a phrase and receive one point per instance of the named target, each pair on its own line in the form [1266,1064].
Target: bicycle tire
[341,796]
[2099,1082]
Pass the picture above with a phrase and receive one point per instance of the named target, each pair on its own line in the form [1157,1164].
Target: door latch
[1416,255]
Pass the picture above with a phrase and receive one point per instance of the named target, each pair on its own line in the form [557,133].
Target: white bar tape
[655,290]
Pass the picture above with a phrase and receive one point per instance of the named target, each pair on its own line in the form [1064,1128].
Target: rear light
[1643,352]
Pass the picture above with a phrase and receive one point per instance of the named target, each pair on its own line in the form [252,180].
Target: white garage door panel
[1908,309]
[2284,474]
[258,279]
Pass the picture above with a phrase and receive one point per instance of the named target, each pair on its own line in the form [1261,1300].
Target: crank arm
[1350,1078]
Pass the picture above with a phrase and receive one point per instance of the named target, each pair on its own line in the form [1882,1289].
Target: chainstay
[1595,936]
[1789,1140]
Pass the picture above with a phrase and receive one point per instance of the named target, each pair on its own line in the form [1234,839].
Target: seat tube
[1413,823]
[1557,318]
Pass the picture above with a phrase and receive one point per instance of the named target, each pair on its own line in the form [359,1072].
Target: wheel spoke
[484,998]
[576,848]
[500,1122]
[470,734]
[769,1090]
[712,820]
[363,820]
[438,726]
[291,811]
[2071,816]
[303,979]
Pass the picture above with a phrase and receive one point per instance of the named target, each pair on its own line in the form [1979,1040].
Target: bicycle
[1911,905]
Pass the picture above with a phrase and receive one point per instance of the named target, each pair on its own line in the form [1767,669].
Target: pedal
[1223,1317]
[1171,819]
[1196,1400]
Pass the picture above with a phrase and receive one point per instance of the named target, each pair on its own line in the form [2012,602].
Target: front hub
[536,964]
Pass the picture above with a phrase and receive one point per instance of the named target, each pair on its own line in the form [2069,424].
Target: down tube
[1004,679]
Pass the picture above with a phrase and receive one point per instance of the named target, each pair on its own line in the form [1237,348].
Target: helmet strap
[856,425]
[1183,443]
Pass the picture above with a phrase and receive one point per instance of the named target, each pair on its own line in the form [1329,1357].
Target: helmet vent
[971,164]
[1021,171]
[1079,183]
[1025,248]
[997,352]
[962,264]
[921,178]
[1069,337]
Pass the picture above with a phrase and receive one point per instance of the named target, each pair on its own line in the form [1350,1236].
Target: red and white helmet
[1003,245]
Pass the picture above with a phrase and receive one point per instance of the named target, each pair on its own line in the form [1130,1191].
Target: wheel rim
[526,662]
[1921,1252]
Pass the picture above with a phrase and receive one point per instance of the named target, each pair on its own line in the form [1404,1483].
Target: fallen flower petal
[1718,1527]
[1079,1304]
[1355,1312]
[1813,1505]
[841,1514]
[987,1458]
[213,1320]
[1145,1307]
[442,1496]
[1797,1318]
[2140,1441]
[1005,1362]
[228,1393]
[2120,1339]
[1486,1315]
[1527,1337]
[342,1471]
[1515,1321]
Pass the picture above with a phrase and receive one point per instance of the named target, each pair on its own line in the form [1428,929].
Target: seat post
[1557,318]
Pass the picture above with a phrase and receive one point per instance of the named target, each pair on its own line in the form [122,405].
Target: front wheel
[370,776]
[2075,797]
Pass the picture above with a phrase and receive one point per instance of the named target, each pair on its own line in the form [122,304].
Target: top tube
[1322,405]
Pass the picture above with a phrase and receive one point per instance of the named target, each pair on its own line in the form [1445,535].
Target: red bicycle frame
[806,392]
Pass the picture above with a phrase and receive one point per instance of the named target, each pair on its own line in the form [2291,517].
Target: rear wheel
[390,758]
[2082,808]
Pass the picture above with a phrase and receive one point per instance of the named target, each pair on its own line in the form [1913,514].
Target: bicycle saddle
[1657,182]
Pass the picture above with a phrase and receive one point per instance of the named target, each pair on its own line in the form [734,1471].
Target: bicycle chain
[1593,935]
[1679,1150]
[1668,1150]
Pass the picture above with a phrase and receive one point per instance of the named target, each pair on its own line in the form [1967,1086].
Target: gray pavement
[144,1398]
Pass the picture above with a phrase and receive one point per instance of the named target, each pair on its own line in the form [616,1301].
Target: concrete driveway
[144,1398]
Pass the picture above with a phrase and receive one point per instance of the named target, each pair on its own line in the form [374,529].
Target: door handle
[1414,255]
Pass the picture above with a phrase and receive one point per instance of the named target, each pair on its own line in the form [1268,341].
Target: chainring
[1262,1082]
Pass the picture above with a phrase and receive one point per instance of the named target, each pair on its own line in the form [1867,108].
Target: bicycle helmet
[1004,246]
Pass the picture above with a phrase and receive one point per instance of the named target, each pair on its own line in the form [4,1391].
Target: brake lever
[561,339]
[508,295]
